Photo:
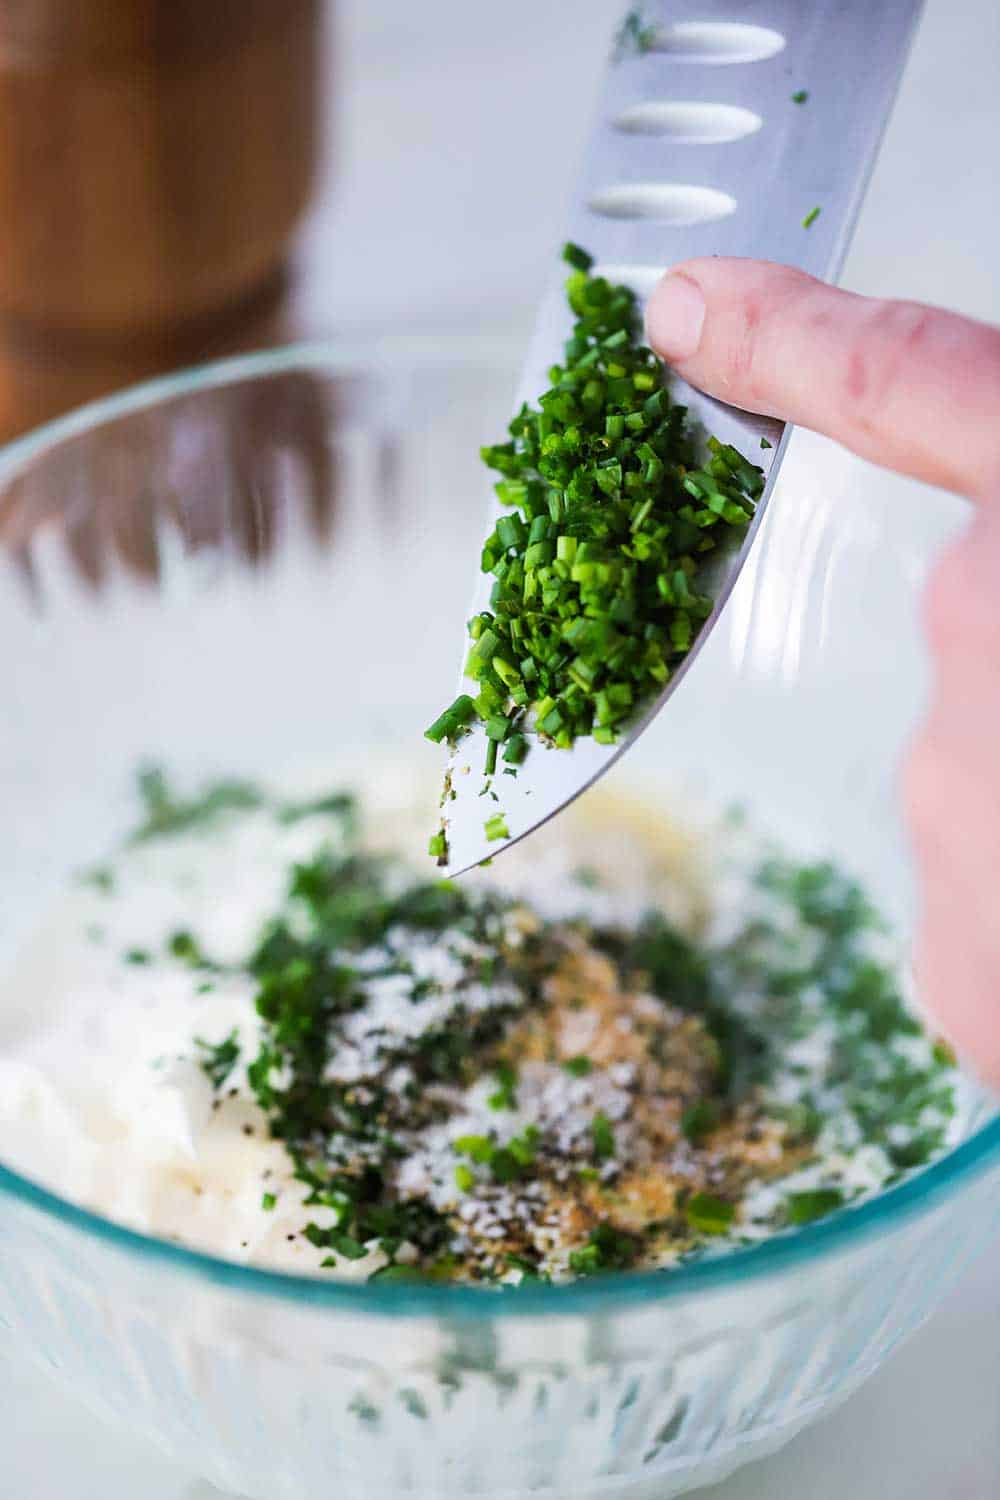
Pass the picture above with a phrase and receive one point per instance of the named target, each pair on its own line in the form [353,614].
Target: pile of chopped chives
[596,564]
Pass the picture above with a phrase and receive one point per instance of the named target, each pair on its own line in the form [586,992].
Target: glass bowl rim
[911,1198]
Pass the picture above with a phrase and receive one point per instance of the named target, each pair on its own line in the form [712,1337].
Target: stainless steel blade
[700,149]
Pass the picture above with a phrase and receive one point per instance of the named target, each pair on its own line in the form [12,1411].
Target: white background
[454,135]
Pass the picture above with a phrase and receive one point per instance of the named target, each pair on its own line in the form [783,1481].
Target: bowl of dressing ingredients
[596,1171]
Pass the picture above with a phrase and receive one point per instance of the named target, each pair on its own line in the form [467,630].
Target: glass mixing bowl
[270,558]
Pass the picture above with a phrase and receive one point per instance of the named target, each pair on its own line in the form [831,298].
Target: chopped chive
[602,483]
[505,1095]
[515,749]
[183,945]
[709,1214]
[578,1067]
[496,828]
[268,1202]
[607,1249]
[603,1136]
[804,1208]
[498,727]
[478,1147]
[800,96]
[576,257]
[811,217]
[944,1053]
[345,1245]
[454,719]
[635,34]
[699,1120]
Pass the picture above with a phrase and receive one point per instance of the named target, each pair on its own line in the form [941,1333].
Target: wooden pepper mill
[155,156]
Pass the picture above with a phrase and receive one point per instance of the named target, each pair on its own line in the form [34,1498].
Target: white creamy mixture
[104,1097]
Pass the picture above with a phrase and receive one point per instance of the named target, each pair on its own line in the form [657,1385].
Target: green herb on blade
[598,564]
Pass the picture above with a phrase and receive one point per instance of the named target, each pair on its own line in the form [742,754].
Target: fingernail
[675,316]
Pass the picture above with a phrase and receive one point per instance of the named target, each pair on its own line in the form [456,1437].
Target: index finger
[911,387]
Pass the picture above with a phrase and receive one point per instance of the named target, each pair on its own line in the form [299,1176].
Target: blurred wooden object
[155,157]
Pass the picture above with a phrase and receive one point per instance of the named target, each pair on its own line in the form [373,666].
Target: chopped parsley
[340,805]
[505,1162]
[184,945]
[607,1249]
[164,812]
[220,1058]
[395,1012]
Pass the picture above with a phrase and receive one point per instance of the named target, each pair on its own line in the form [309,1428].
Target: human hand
[918,390]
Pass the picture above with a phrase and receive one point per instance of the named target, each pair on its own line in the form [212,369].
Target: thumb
[911,387]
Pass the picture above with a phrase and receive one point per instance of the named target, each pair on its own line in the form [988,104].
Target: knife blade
[716,136]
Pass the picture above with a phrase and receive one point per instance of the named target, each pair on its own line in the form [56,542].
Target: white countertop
[456,131]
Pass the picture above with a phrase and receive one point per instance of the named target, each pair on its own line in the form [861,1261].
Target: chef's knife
[751,130]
